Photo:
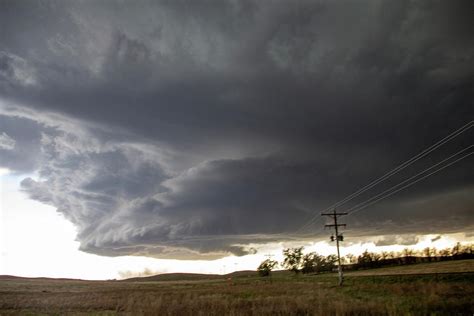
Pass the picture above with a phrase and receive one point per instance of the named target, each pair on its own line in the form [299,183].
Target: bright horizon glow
[37,241]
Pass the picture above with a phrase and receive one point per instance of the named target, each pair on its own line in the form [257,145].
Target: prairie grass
[421,268]
[424,294]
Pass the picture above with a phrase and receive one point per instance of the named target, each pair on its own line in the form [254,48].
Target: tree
[293,259]
[445,252]
[391,255]
[364,260]
[456,249]
[407,252]
[266,267]
[330,263]
[312,263]
[368,260]
[351,258]
[468,249]
[429,253]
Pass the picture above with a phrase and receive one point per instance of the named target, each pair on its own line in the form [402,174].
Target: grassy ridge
[283,294]
[432,267]
[193,276]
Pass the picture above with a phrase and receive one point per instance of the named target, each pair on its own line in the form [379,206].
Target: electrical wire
[412,183]
[397,169]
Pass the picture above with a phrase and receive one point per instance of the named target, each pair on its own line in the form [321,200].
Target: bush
[266,267]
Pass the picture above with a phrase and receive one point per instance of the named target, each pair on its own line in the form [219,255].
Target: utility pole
[338,238]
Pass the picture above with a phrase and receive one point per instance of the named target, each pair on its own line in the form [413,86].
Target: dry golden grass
[455,266]
[281,295]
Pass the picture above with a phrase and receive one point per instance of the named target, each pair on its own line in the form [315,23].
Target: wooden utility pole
[338,238]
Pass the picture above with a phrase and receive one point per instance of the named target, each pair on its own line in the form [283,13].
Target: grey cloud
[97,191]
[188,128]
[6,142]
[397,240]
[15,71]
[20,143]
[429,212]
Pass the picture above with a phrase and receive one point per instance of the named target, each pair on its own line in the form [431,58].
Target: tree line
[295,260]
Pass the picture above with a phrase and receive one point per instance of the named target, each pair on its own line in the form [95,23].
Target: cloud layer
[189,129]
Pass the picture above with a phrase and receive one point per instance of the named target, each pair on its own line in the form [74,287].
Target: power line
[308,232]
[407,163]
[392,190]
[410,184]
[312,221]
[409,179]
[387,192]
[397,169]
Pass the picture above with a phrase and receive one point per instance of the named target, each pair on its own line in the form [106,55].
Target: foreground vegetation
[281,294]
[296,261]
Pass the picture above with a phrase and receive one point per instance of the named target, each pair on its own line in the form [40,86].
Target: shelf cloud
[190,129]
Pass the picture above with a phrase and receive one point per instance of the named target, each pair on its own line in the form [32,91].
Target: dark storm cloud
[6,142]
[20,143]
[190,128]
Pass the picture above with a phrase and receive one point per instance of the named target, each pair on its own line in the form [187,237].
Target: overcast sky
[194,129]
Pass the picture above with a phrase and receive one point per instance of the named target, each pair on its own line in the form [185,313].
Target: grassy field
[457,266]
[444,292]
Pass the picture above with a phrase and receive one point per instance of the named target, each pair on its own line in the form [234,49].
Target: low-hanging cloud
[397,240]
[190,129]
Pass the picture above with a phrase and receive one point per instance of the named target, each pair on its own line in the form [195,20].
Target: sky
[201,135]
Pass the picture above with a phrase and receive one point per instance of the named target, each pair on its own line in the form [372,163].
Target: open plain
[445,288]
